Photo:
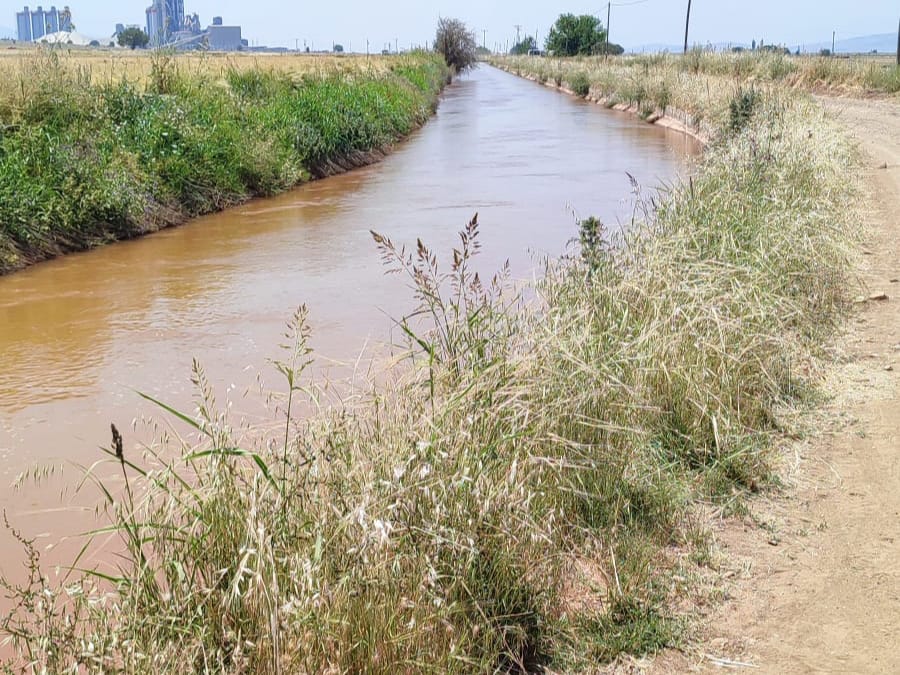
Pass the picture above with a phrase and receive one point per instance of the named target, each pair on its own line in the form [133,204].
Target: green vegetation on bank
[85,163]
[522,491]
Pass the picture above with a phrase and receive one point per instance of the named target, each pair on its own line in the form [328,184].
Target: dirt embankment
[816,576]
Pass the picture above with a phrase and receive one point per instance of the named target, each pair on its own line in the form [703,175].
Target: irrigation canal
[79,335]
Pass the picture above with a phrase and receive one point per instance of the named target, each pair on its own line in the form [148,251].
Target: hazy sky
[634,22]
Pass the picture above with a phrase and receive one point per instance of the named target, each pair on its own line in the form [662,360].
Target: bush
[741,109]
[133,37]
[580,84]
[456,43]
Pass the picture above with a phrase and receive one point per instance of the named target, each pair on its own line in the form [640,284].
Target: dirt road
[815,579]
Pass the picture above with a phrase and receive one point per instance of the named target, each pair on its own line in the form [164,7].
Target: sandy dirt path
[814,577]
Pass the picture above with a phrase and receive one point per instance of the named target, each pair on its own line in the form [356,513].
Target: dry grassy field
[112,65]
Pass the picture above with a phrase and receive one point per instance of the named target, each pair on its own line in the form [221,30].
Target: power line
[609,6]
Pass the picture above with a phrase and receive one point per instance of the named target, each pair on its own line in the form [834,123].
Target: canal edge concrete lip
[672,118]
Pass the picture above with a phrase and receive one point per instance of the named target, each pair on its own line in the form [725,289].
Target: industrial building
[33,25]
[224,38]
[167,24]
[164,19]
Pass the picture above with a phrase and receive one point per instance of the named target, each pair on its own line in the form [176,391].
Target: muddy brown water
[81,334]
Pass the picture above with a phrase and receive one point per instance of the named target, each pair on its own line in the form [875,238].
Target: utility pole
[687,26]
[608,16]
[833,37]
[518,33]
[396,45]
[484,38]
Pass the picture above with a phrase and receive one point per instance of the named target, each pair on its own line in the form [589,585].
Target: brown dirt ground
[813,577]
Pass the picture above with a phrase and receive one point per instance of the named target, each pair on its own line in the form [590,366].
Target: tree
[525,46]
[613,48]
[456,43]
[339,49]
[133,37]
[573,35]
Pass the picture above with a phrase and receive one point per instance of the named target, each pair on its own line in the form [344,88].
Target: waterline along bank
[695,93]
[86,161]
[524,490]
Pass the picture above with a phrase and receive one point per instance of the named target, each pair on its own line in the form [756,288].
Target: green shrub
[580,83]
[741,109]
[83,163]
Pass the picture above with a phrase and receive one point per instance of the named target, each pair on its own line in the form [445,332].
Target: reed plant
[520,490]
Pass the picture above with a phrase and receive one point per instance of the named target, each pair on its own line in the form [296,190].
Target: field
[528,487]
[96,147]
[108,66]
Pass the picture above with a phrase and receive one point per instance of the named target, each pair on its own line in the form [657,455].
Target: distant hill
[677,49]
[653,48]
[884,43]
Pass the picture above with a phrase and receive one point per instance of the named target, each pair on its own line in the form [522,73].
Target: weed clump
[580,84]
[741,109]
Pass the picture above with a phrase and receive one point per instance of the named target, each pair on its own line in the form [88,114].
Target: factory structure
[32,25]
[167,24]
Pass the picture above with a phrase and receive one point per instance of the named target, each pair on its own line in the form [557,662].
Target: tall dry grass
[509,497]
[112,66]
[701,85]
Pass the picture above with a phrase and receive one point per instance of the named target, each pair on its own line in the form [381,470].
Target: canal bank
[523,492]
[86,163]
[79,334]
[667,117]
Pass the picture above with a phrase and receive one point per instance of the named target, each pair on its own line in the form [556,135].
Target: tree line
[571,35]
